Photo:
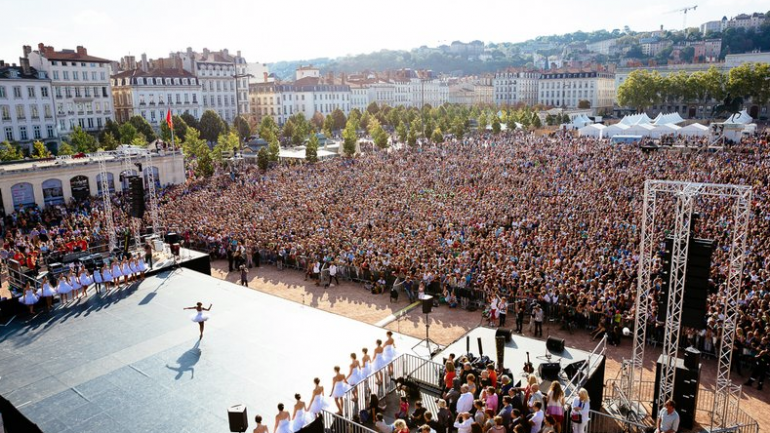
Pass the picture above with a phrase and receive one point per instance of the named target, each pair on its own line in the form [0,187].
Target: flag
[169,121]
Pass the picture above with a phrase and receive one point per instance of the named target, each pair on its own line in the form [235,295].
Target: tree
[165,132]
[288,129]
[482,121]
[143,127]
[263,160]
[311,150]
[39,150]
[9,152]
[339,119]
[127,133]
[401,132]
[64,149]
[196,147]
[82,141]
[437,137]
[190,121]
[109,142]
[211,125]
[584,104]
[641,89]
[273,150]
[378,134]
[496,127]
[110,127]
[350,137]
[267,128]
[373,108]
[227,145]
[180,128]
[458,128]
[687,54]
[536,122]
[139,140]
[205,165]
[317,121]
[328,125]
[366,118]
[241,126]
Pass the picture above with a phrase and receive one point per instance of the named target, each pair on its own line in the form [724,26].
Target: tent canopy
[636,119]
[741,118]
[594,130]
[695,130]
[667,119]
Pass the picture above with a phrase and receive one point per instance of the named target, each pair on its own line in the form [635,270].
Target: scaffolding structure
[686,194]
[109,223]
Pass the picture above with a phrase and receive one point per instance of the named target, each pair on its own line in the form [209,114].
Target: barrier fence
[334,423]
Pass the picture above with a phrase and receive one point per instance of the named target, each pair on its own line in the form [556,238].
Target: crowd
[550,220]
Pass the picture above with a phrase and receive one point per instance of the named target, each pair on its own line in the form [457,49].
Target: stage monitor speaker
[172,238]
[427,304]
[506,333]
[549,370]
[691,358]
[555,344]
[239,421]
[175,248]
[572,369]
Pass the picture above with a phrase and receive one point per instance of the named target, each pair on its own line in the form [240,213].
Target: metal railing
[334,423]
[600,422]
[584,372]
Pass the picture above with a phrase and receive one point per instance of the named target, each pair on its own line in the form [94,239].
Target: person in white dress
[317,402]
[116,274]
[581,405]
[389,350]
[282,421]
[142,265]
[199,317]
[354,376]
[125,269]
[47,292]
[299,417]
[98,281]
[379,362]
[366,364]
[85,281]
[107,277]
[339,388]
[64,287]
[29,298]
[75,284]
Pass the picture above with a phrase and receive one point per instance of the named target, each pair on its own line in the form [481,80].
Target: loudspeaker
[691,358]
[572,369]
[239,421]
[175,248]
[686,387]
[172,238]
[506,333]
[549,370]
[555,344]
[696,284]
[427,304]
[135,197]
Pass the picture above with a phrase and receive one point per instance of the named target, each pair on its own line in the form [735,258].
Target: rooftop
[79,54]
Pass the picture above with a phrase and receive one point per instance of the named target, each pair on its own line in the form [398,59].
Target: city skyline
[343,29]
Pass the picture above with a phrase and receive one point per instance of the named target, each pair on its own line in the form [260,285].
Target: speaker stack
[239,421]
[135,197]
[686,386]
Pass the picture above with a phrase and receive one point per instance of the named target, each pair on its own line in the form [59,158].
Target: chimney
[342,78]
[26,49]
[41,48]
[264,74]
[238,53]
[206,52]
[81,51]
[24,63]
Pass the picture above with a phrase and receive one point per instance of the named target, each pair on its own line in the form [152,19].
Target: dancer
[85,280]
[317,400]
[389,350]
[338,388]
[64,288]
[379,361]
[143,269]
[97,277]
[299,417]
[366,361]
[282,421]
[200,316]
[260,428]
[47,292]
[29,298]
[126,270]
[134,267]
[75,283]
[354,376]
[107,277]
[116,274]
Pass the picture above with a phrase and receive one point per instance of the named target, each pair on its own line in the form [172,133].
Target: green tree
[108,142]
[211,125]
[366,118]
[401,132]
[288,129]
[142,126]
[227,145]
[458,128]
[584,104]
[263,160]
[180,128]
[536,122]
[139,140]
[328,125]
[311,150]
[437,136]
[82,141]
[195,147]
[482,121]
[745,81]
[241,126]
[205,165]
[339,119]
[641,89]
[373,108]
[127,133]
[9,152]
[64,149]
[190,121]
[378,134]
[350,137]
[317,121]
[110,127]
[496,127]
[411,138]
[273,150]
[39,150]
[165,132]
[268,128]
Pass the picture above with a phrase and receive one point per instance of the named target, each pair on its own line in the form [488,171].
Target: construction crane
[684,13]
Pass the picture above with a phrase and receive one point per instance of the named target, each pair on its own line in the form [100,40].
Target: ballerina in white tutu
[107,277]
[141,266]
[29,298]
[366,364]
[339,388]
[116,274]
[98,281]
[299,417]
[282,421]
[378,363]
[75,284]
[317,402]
[85,281]
[389,350]
[64,288]
[125,269]
[200,317]
[47,292]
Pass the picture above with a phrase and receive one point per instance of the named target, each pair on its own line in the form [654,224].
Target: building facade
[567,87]
[80,84]
[152,93]
[27,106]
[514,86]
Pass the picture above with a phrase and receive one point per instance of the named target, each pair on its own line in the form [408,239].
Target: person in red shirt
[492,374]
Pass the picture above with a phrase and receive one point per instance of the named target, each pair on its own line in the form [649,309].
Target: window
[68,91]
[102,76]
[20,112]
[178,98]
[35,112]
[2,92]
[44,92]
[81,123]
[8,133]
[186,98]
[141,100]
[90,123]
[17,92]
[36,132]
[66,75]
[75,76]
[47,111]
[93,65]
[88,92]
[99,122]
[23,133]
[152,116]
[49,131]
[98,106]
[85,76]
[6,112]
[77,92]
[93,75]
[96,92]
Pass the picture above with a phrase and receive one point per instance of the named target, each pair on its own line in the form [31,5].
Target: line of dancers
[361,369]
[75,283]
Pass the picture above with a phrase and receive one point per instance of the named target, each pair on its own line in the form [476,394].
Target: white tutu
[389,353]
[116,272]
[47,290]
[367,370]
[379,362]
[142,266]
[340,389]
[29,298]
[355,377]
[200,316]
[85,280]
[107,276]
[284,426]
[98,277]
[74,283]
[300,420]
[317,406]
[64,287]
[126,270]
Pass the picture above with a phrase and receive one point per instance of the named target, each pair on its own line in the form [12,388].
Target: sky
[269,31]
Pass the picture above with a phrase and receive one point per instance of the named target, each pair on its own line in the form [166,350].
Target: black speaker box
[506,333]
[686,387]
[691,358]
[555,344]
[239,421]
[427,304]
[549,370]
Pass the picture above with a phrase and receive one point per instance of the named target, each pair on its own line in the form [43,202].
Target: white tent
[581,120]
[615,129]
[694,130]
[666,119]
[664,129]
[645,130]
[596,130]
[741,118]
[636,119]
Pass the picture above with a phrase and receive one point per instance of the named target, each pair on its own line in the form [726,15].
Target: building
[602,47]
[713,26]
[27,106]
[567,87]
[514,86]
[152,93]
[747,21]
[471,91]
[258,72]
[80,83]
[26,183]
[733,60]
[652,46]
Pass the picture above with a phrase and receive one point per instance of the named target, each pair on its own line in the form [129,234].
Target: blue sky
[301,29]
